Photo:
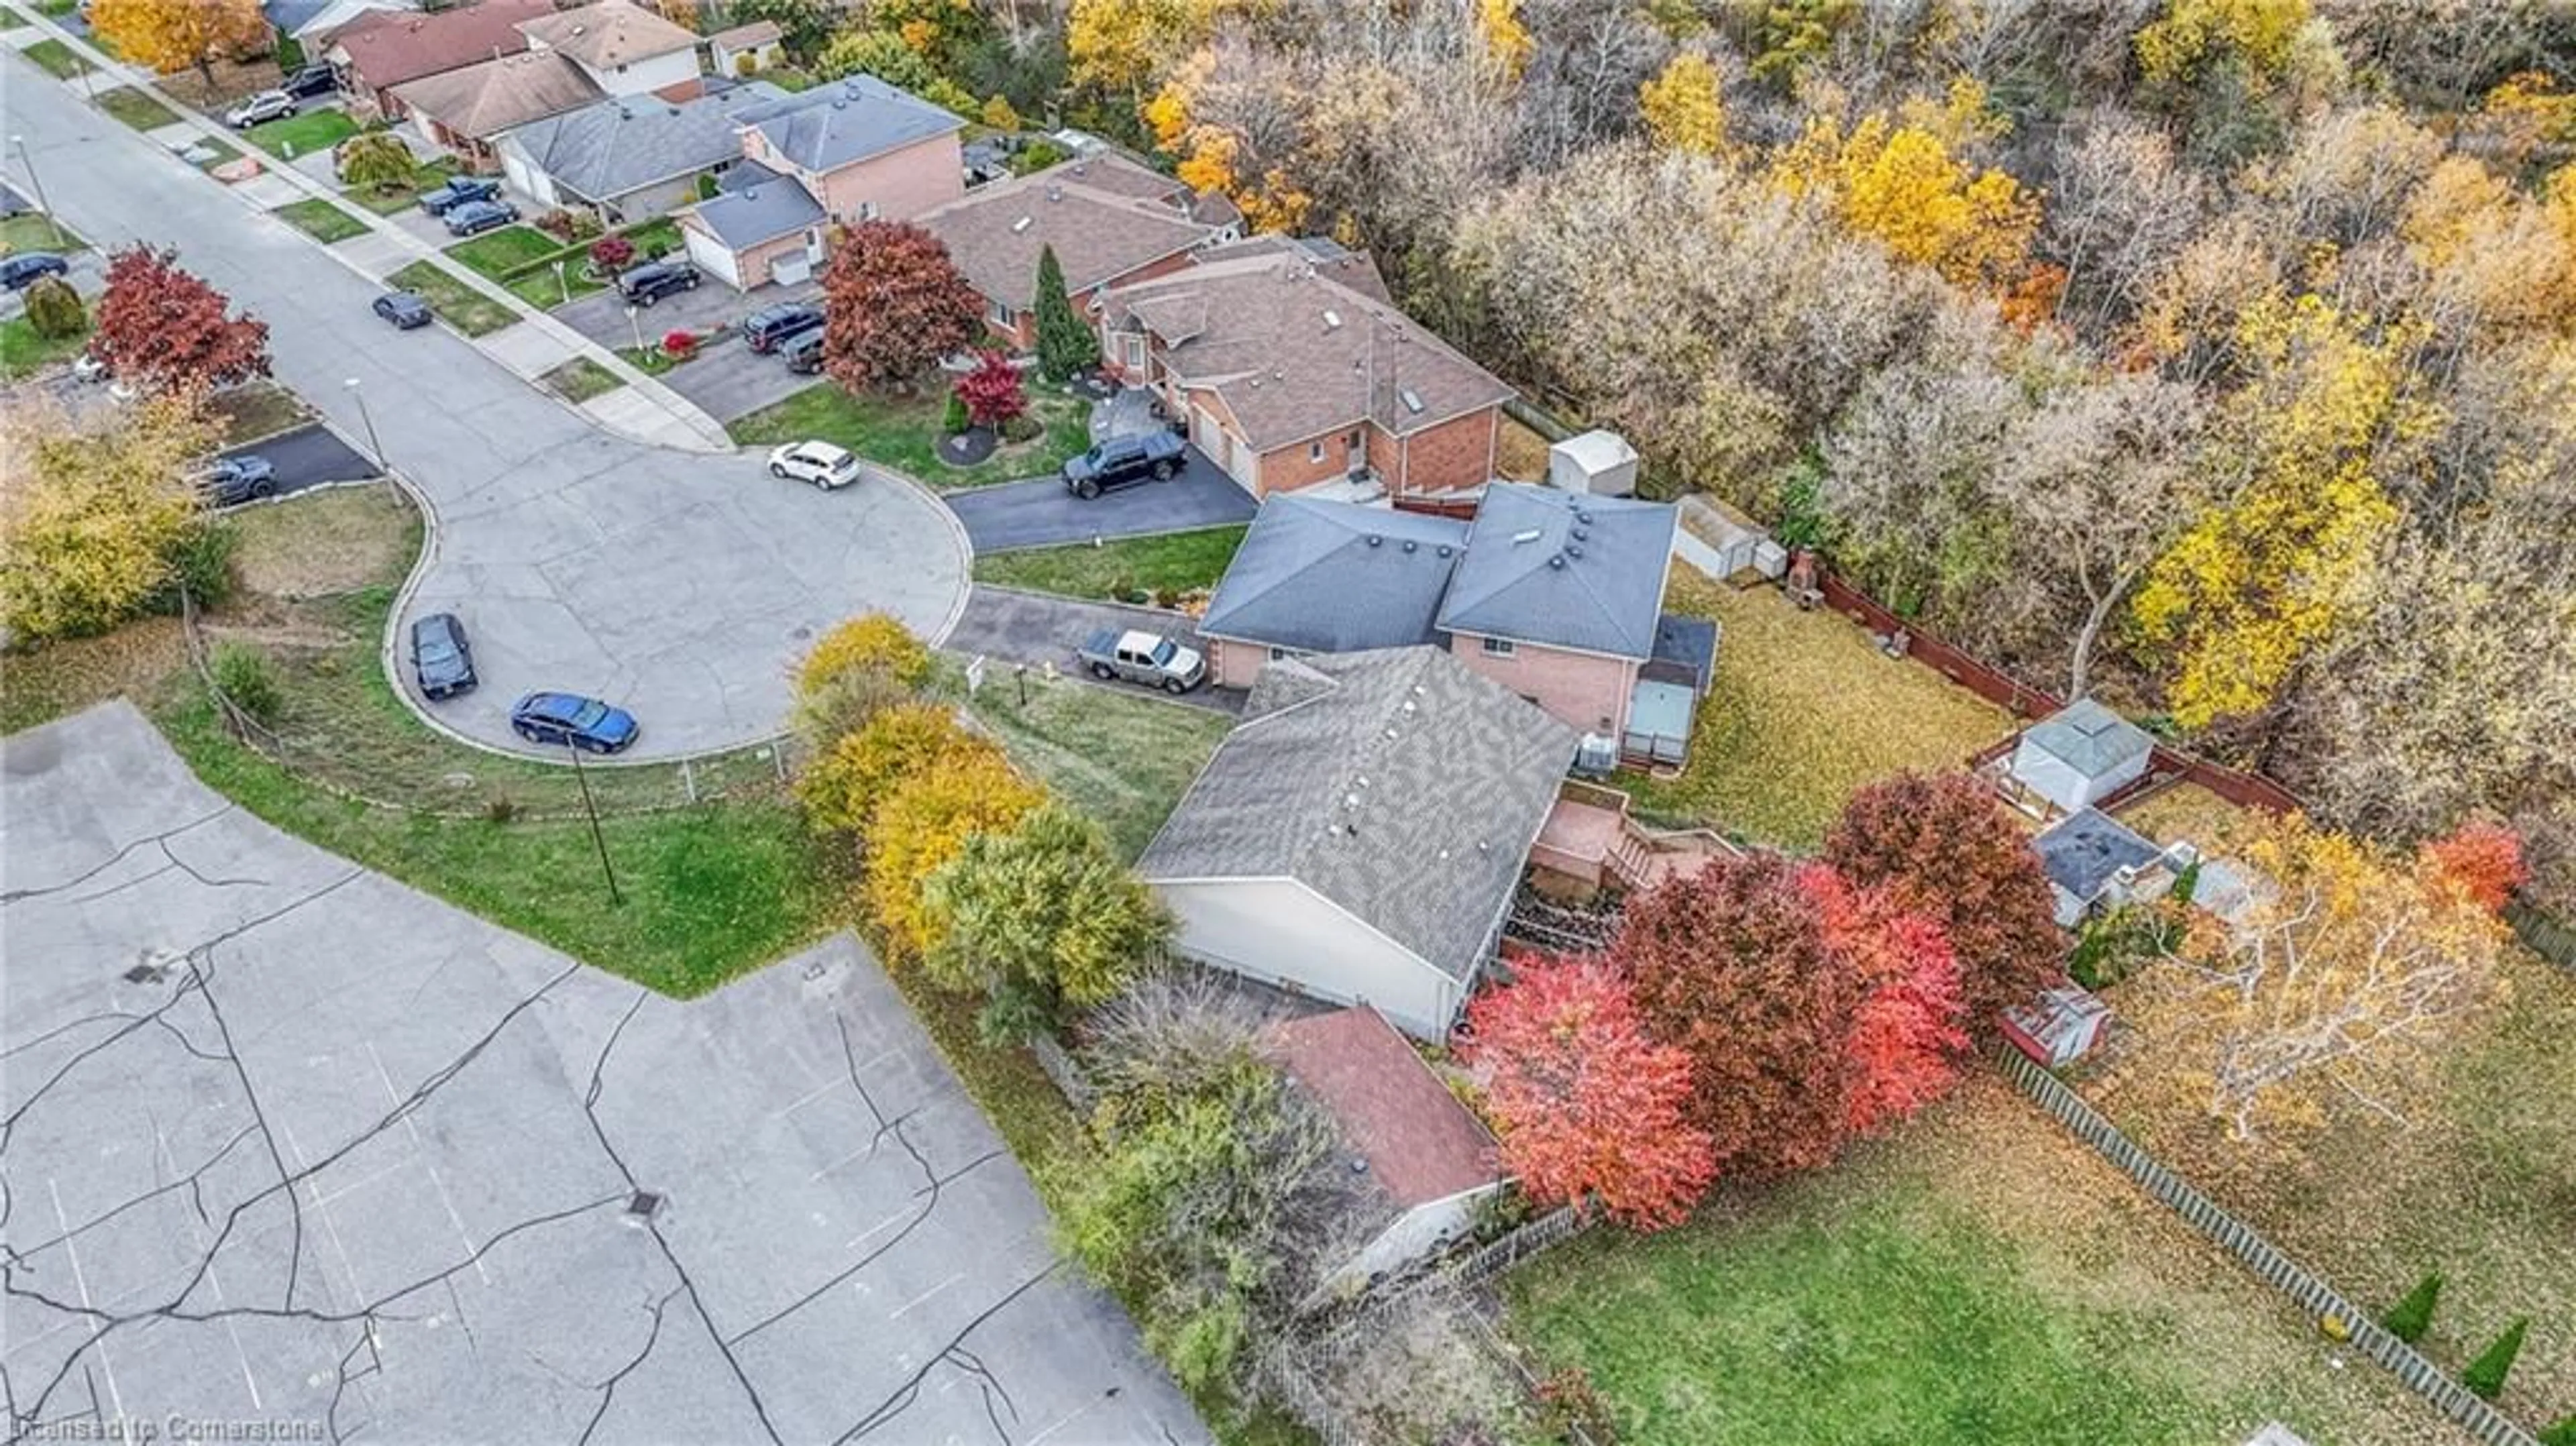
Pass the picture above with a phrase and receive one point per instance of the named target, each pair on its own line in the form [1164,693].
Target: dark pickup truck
[1124,462]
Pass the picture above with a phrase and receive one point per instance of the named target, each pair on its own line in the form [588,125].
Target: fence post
[688,780]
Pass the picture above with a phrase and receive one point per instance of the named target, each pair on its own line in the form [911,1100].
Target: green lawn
[545,290]
[456,303]
[211,153]
[1122,758]
[1980,1278]
[37,231]
[56,9]
[135,108]
[406,196]
[23,353]
[12,20]
[1179,562]
[495,253]
[650,362]
[321,220]
[902,432]
[302,135]
[56,59]
[581,379]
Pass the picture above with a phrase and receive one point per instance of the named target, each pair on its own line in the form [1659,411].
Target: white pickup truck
[1143,657]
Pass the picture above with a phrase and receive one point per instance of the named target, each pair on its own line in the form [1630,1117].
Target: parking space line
[197,1234]
[436,1182]
[63,1223]
[897,1313]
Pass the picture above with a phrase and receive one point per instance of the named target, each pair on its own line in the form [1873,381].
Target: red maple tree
[1905,1039]
[2482,860]
[1944,846]
[893,305]
[165,328]
[1589,1107]
[993,392]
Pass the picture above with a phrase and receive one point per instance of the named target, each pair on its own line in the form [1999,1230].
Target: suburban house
[746,50]
[1360,834]
[1430,1158]
[622,49]
[468,111]
[855,149]
[631,158]
[381,49]
[308,22]
[1111,221]
[1289,374]
[2079,755]
[1556,596]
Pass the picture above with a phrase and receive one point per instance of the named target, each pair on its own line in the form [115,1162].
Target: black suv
[770,325]
[440,657]
[1124,462]
[311,80]
[654,280]
[803,352]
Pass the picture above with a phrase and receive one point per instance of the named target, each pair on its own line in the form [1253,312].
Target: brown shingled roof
[609,34]
[1420,1143]
[484,100]
[1105,216]
[389,47]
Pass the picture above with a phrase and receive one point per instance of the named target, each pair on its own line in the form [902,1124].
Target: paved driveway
[727,379]
[293,1144]
[310,457]
[1041,513]
[678,585]
[1009,626]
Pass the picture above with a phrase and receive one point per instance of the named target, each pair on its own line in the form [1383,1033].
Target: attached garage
[526,179]
[712,256]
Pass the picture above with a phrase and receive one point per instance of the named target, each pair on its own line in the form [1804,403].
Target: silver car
[268,105]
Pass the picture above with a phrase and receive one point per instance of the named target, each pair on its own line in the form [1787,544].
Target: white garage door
[792,268]
[711,254]
[1219,444]
[527,179]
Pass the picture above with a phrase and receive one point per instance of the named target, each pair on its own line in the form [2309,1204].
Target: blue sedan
[475,217]
[568,718]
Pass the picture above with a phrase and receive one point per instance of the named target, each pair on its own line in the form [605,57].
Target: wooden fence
[2277,1270]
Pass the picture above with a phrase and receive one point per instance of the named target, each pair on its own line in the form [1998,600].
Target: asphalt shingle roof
[847,120]
[2090,738]
[1105,216]
[628,142]
[1398,783]
[2084,849]
[500,94]
[1419,1142]
[609,34]
[758,213]
[1309,577]
[388,47]
[1563,569]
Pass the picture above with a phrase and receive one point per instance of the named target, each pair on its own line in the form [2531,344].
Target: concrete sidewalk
[644,410]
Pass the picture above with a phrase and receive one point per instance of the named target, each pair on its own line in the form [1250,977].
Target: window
[867,210]
[1003,316]
[1132,350]
[1315,450]
[1498,647]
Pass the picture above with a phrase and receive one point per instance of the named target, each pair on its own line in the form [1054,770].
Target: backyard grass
[1178,562]
[903,432]
[2184,813]
[320,219]
[507,249]
[56,59]
[1979,1278]
[455,303]
[581,379]
[135,108]
[302,135]
[23,353]
[1122,759]
[1520,454]
[37,231]
[1803,712]
[258,409]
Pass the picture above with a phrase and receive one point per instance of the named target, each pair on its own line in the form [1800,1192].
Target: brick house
[1111,221]
[381,49]
[853,150]
[1553,595]
[1291,368]
[468,111]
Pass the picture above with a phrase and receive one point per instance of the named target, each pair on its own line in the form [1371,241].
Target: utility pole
[597,838]
[36,183]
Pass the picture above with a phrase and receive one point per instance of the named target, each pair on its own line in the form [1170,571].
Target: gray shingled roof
[1397,783]
[847,120]
[629,142]
[1308,577]
[2090,738]
[1564,570]
[2084,849]
[760,213]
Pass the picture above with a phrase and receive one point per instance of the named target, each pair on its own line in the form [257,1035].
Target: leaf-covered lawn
[322,220]
[1177,562]
[1804,712]
[37,231]
[903,432]
[406,196]
[457,304]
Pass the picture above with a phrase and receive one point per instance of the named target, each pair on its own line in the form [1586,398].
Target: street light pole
[563,281]
[636,327]
[373,444]
[27,158]
[596,838]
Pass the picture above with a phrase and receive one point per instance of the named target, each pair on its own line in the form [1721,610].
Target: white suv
[268,105]
[820,463]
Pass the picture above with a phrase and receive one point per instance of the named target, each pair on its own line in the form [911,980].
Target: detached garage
[1359,836]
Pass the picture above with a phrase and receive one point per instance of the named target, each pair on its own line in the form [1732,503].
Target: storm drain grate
[143,974]
[642,1205]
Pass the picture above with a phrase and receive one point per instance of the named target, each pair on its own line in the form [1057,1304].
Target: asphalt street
[680,586]
[296,1153]
[1041,513]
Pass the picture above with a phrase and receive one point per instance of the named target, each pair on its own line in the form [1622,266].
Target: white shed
[2081,754]
[1597,462]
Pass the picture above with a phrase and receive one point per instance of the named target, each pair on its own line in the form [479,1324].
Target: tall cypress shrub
[2485,1375]
[1066,344]
[2410,1318]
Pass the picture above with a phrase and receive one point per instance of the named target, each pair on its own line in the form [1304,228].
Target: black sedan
[404,309]
[475,217]
[570,719]
[234,480]
[20,271]
[440,657]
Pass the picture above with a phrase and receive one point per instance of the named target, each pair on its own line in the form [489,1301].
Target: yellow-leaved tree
[924,822]
[173,35]
[1129,46]
[1900,180]
[94,517]
[1683,108]
[1508,44]
[843,787]
[852,673]
[2260,36]
[2263,578]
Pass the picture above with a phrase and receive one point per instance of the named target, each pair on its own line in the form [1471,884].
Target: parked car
[440,657]
[311,80]
[458,191]
[475,217]
[803,352]
[574,721]
[771,325]
[1124,462]
[820,463]
[243,478]
[405,309]
[643,285]
[20,271]
[1143,657]
[268,105]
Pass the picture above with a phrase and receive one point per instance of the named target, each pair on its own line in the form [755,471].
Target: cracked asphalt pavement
[677,585]
[286,1142]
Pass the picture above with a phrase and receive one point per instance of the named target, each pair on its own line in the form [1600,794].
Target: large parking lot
[293,1150]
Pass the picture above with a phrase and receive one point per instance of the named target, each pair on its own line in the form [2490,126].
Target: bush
[1022,428]
[746,65]
[377,160]
[242,676]
[1037,156]
[55,310]
[2562,1434]
[953,421]
[2410,1318]
[2485,1375]
[679,345]
[569,226]
[842,787]
[611,253]
[500,808]
[202,563]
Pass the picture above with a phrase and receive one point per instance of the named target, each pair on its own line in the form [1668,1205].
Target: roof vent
[1533,535]
[1021,225]
[1374,539]
[1332,320]
[1055,193]
[1412,546]
[1444,549]
[1390,735]
[1573,550]
[1557,561]
[841,104]
[1583,517]
[1350,800]
[624,114]
[1408,707]
[1580,534]
[1411,398]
